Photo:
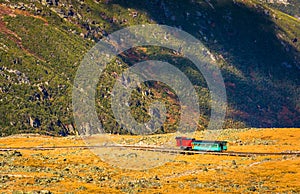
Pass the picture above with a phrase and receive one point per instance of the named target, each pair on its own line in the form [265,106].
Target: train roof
[187,138]
[208,141]
[200,141]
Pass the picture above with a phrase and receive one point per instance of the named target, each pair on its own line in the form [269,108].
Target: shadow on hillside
[261,85]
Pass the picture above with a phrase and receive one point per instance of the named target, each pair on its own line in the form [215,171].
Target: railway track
[154,149]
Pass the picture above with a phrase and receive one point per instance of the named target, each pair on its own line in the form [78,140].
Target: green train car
[213,146]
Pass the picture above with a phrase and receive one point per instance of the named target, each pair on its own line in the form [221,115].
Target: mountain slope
[42,43]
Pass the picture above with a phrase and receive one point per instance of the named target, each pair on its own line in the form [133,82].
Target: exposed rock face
[50,2]
[66,129]
[35,123]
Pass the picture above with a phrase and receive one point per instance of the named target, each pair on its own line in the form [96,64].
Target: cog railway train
[200,145]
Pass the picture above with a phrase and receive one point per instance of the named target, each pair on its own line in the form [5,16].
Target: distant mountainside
[291,7]
[256,44]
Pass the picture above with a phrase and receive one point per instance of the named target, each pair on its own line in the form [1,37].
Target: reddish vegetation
[4,10]
[286,115]
[26,13]
[13,36]
[239,113]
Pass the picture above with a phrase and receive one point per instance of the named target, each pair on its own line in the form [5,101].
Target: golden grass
[59,171]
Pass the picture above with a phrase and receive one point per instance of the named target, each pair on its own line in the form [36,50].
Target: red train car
[184,142]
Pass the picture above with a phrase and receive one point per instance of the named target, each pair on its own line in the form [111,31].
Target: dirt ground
[82,171]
